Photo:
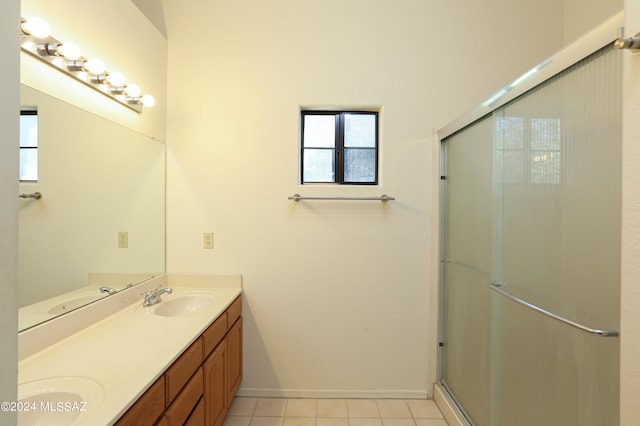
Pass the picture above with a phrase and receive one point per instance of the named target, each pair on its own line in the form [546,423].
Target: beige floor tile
[424,409]
[301,408]
[332,412]
[332,421]
[365,422]
[431,422]
[242,406]
[394,408]
[332,408]
[362,408]
[398,422]
[270,407]
[299,421]
[236,421]
[266,421]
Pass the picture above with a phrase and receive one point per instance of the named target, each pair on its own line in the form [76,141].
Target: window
[339,147]
[28,146]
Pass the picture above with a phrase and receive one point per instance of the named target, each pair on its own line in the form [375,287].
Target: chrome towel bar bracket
[384,198]
[598,332]
[35,195]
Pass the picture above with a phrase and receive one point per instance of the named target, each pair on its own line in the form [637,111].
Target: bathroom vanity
[199,386]
[177,362]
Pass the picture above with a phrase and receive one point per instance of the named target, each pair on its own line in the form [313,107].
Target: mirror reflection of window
[528,150]
[545,150]
[28,146]
[510,146]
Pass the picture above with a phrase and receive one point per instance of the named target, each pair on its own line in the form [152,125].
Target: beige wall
[630,291]
[582,15]
[337,295]
[9,110]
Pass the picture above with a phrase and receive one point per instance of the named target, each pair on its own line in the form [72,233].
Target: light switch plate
[207,240]
[123,239]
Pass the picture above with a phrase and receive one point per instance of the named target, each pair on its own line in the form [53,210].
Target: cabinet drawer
[146,409]
[182,369]
[234,311]
[197,415]
[214,334]
[182,406]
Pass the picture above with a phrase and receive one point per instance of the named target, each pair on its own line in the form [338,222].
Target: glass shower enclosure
[530,268]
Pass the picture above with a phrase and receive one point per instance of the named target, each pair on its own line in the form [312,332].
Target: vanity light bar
[66,57]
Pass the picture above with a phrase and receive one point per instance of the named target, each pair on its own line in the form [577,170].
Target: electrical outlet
[207,240]
[123,239]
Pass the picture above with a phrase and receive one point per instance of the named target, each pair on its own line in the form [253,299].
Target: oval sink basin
[57,401]
[183,305]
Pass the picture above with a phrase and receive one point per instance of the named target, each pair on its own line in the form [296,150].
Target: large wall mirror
[99,226]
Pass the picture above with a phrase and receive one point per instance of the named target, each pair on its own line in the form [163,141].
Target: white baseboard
[328,393]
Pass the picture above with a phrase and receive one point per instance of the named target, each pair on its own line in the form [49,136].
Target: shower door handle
[596,331]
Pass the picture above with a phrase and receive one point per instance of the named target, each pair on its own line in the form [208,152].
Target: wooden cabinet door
[215,385]
[234,363]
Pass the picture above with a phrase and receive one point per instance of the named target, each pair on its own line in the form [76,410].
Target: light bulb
[30,46]
[59,62]
[36,27]
[115,79]
[94,66]
[148,101]
[132,90]
[70,51]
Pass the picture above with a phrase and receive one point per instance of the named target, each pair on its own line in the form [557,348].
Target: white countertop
[123,353]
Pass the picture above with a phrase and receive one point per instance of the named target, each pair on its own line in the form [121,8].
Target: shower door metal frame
[441,283]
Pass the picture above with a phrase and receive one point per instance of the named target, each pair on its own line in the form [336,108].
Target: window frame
[339,148]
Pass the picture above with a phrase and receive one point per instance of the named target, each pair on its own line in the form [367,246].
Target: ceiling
[154,11]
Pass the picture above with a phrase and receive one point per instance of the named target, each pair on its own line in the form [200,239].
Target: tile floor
[333,412]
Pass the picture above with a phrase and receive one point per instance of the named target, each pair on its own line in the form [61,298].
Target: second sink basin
[72,304]
[57,401]
[183,305]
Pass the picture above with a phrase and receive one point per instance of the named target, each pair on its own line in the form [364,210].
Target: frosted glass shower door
[557,207]
[465,358]
[531,218]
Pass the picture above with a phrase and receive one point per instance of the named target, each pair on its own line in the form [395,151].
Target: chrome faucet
[108,290]
[151,298]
